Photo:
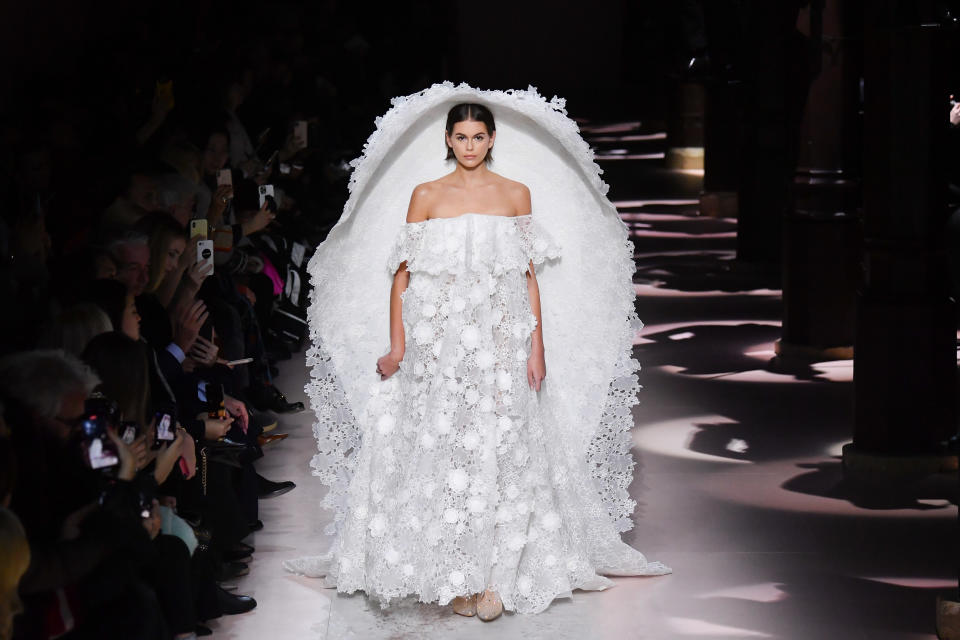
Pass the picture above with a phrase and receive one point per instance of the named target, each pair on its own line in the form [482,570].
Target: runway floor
[738,480]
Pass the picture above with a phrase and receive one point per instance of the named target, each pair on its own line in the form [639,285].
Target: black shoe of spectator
[238,553]
[232,604]
[231,570]
[256,526]
[266,397]
[202,631]
[270,489]
[263,421]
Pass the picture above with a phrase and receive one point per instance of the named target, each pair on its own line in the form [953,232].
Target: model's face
[470,142]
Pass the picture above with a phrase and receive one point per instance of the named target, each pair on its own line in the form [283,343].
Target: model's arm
[388,364]
[536,365]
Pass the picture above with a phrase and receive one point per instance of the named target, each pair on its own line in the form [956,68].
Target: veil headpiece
[587,296]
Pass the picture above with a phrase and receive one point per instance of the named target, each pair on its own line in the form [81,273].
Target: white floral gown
[459,486]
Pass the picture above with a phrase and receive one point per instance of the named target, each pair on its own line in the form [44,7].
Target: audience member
[137,499]
[14,560]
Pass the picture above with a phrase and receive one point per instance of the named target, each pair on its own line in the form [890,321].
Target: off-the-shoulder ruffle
[472,242]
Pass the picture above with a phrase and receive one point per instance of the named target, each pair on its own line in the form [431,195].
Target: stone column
[905,365]
[721,163]
[685,127]
[822,232]
[775,88]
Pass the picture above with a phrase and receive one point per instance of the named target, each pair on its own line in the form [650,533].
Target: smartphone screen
[129,431]
[166,426]
[99,450]
[224,177]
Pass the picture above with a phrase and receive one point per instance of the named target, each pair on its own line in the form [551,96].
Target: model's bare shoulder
[421,201]
[519,195]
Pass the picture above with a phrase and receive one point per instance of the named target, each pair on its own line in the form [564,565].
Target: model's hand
[536,369]
[388,365]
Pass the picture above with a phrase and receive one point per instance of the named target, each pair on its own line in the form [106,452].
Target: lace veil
[587,296]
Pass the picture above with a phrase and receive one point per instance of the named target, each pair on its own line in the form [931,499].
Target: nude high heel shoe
[489,606]
[465,605]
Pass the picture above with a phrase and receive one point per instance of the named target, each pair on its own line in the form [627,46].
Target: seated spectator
[131,251]
[138,198]
[85,532]
[177,197]
[170,260]
[120,307]
[14,560]
[74,327]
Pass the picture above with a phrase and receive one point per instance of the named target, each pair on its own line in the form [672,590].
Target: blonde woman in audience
[14,560]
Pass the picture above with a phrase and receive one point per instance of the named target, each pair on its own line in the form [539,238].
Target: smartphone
[205,252]
[300,132]
[266,191]
[233,363]
[129,431]
[268,165]
[262,137]
[146,505]
[198,228]
[224,177]
[99,450]
[166,421]
[215,405]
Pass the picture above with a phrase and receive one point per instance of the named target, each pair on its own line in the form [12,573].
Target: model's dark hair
[470,111]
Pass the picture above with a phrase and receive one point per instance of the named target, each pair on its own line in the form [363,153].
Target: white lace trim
[494,244]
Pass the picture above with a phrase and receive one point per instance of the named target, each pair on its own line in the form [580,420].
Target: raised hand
[219,203]
[187,327]
[215,428]
[204,352]
[238,410]
[259,221]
